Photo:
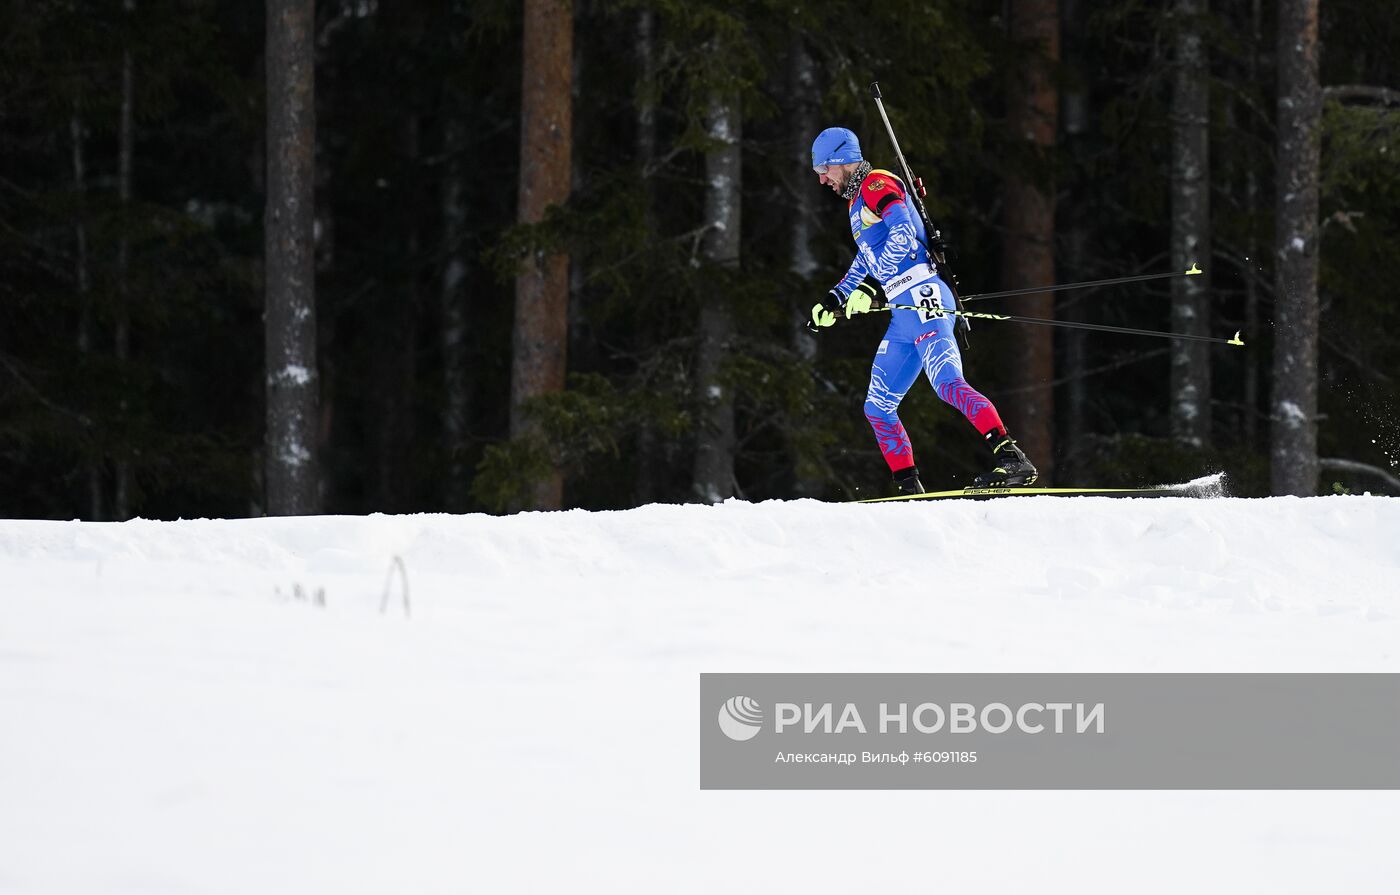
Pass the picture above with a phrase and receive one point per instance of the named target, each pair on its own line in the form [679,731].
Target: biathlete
[892,264]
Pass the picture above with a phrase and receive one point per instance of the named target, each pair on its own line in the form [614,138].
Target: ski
[982,493]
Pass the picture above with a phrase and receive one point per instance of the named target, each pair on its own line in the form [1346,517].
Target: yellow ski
[974,493]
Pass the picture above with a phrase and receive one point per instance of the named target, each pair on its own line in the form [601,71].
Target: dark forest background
[134,271]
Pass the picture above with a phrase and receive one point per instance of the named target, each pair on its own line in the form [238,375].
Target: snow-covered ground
[173,719]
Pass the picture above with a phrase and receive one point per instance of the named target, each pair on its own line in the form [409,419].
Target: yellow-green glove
[859,301]
[824,311]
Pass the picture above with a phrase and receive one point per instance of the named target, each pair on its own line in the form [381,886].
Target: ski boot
[1012,469]
[906,481]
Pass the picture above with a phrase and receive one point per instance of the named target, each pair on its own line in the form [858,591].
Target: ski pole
[1088,284]
[1067,324]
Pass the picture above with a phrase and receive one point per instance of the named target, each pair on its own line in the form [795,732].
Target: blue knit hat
[836,146]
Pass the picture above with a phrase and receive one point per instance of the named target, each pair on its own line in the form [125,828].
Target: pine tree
[292,380]
[1190,188]
[1028,249]
[542,289]
[1294,430]
[715,445]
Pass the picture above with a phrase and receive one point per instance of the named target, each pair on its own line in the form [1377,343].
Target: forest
[351,256]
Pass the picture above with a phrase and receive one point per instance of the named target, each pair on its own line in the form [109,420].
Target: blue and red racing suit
[892,248]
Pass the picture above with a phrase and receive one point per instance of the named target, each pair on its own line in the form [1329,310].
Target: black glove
[941,249]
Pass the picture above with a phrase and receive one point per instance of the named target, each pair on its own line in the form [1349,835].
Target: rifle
[937,248]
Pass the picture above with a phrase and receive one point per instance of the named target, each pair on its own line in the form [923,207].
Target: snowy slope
[174,720]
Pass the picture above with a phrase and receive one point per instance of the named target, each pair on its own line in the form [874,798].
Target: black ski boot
[1012,469]
[906,481]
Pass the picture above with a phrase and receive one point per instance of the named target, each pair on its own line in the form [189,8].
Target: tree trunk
[1251,288]
[804,94]
[454,313]
[713,478]
[1075,121]
[646,99]
[1190,187]
[397,303]
[542,289]
[583,342]
[804,261]
[396,358]
[92,472]
[292,380]
[648,444]
[121,499]
[1028,250]
[1294,410]
[1073,442]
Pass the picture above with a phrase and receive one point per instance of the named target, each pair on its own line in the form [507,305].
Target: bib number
[930,308]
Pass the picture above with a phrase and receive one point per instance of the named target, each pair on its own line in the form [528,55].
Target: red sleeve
[880,191]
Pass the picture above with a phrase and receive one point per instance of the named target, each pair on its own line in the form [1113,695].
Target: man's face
[835,176]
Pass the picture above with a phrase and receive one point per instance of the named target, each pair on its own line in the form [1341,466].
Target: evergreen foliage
[186,410]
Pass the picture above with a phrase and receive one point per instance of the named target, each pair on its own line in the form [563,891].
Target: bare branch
[12,366]
[1345,92]
[1356,466]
